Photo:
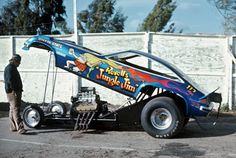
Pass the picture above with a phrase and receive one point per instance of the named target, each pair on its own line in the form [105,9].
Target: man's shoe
[13,130]
[22,131]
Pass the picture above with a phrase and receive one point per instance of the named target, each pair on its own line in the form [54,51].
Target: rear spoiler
[214,97]
[217,98]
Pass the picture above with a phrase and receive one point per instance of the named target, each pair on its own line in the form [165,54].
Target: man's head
[16,59]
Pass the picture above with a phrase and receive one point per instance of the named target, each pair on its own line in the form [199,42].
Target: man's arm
[8,79]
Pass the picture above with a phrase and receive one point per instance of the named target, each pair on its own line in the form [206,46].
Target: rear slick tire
[162,118]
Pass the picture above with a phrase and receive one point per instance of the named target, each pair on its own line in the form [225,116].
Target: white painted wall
[203,57]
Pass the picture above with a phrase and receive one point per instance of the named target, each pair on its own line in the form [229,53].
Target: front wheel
[162,118]
[58,109]
[33,116]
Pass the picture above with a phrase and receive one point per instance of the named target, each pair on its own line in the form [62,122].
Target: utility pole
[78,81]
[75,22]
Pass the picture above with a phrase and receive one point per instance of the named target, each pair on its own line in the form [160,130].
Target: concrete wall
[205,58]
[232,65]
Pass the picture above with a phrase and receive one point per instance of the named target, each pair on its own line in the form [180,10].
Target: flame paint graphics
[143,77]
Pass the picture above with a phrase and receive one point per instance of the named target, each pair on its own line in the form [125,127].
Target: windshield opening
[154,65]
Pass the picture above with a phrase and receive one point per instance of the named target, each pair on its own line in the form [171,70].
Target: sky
[193,16]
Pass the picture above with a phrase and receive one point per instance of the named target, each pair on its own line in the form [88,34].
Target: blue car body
[116,74]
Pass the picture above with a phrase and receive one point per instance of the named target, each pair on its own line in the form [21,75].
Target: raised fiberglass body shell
[118,76]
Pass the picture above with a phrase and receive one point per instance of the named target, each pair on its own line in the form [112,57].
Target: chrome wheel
[32,117]
[161,118]
[57,109]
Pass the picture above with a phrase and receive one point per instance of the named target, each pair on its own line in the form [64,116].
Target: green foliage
[22,20]
[227,8]
[101,17]
[158,18]
[7,17]
[26,16]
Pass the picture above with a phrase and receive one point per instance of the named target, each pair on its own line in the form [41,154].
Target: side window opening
[142,62]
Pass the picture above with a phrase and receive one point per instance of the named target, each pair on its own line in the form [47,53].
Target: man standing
[14,88]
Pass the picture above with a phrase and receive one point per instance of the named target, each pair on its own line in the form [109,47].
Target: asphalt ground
[59,140]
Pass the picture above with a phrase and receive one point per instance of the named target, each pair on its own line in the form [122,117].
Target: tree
[227,8]
[116,24]
[11,11]
[26,16]
[158,18]
[1,25]
[50,13]
[101,17]
[22,22]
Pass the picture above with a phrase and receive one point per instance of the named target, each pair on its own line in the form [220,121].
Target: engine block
[86,100]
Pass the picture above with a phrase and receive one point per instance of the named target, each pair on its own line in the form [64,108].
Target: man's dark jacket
[12,79]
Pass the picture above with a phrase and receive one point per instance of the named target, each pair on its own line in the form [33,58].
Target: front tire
[58,109]
[33,116]
[162,118]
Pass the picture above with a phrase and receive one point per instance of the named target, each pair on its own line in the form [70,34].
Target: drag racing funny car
[161,102]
